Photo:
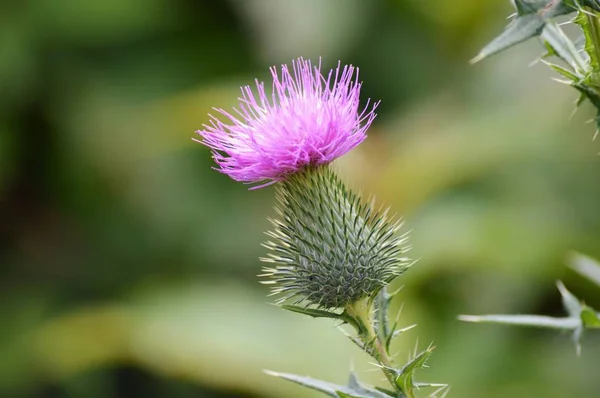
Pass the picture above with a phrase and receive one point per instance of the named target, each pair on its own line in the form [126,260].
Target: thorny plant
[331,254]
[580,70]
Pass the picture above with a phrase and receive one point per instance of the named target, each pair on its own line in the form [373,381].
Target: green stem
[363,314]
[594,26]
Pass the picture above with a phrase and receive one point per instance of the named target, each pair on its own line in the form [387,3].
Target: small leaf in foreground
[585,266]
[353,390]
[529,21]
[580,317]
[590,318]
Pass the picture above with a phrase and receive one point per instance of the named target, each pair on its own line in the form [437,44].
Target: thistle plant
[580,56]
[581,70]
[330,253]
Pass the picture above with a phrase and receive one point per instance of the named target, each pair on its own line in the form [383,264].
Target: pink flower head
[307,120]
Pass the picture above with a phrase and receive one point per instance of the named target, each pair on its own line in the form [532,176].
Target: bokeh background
[128,266]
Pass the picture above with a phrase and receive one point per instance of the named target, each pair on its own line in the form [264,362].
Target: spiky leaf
[580,317]
[380,309]
[591,28]
[586,266]
[561,46]
[529,21]
[353,390]
[538,321]
[405,380]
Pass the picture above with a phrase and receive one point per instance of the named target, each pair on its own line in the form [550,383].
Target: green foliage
[537,18]
[352,390]
[579,316]
[586,267]
[582,71]
[529,21]
[374,333]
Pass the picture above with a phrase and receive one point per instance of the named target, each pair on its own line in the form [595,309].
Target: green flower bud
[328,247]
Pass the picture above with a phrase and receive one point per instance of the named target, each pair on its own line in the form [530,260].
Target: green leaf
[525,7]
[381,305]
[571,303]
[580,317]
[355,385]
[539,321]
[314,384]
[563,71]
[313,312]
[396,394]
[405,376]
[318,313]
[585,266]
[546,8]
[590,318]
[397,333]
[589,93]
[530,20]
[591,29]
[520,29]
[353,390]
[588,20]
[554,37]
[580,100]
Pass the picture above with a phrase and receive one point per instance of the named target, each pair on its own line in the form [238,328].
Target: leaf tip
[468,318]
[476,59]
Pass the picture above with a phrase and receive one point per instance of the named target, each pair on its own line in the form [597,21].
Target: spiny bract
[328,248]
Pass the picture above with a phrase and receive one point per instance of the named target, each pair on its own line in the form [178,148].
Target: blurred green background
[129,266]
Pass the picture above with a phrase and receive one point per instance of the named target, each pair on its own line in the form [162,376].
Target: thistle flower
[328,248]
[307,120]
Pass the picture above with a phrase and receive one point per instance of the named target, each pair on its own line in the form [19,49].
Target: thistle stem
[363,313]
[593,17]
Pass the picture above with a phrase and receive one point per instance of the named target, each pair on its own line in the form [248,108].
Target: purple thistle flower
[308,120]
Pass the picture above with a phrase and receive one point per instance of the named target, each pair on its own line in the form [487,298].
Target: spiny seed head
[328,248]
